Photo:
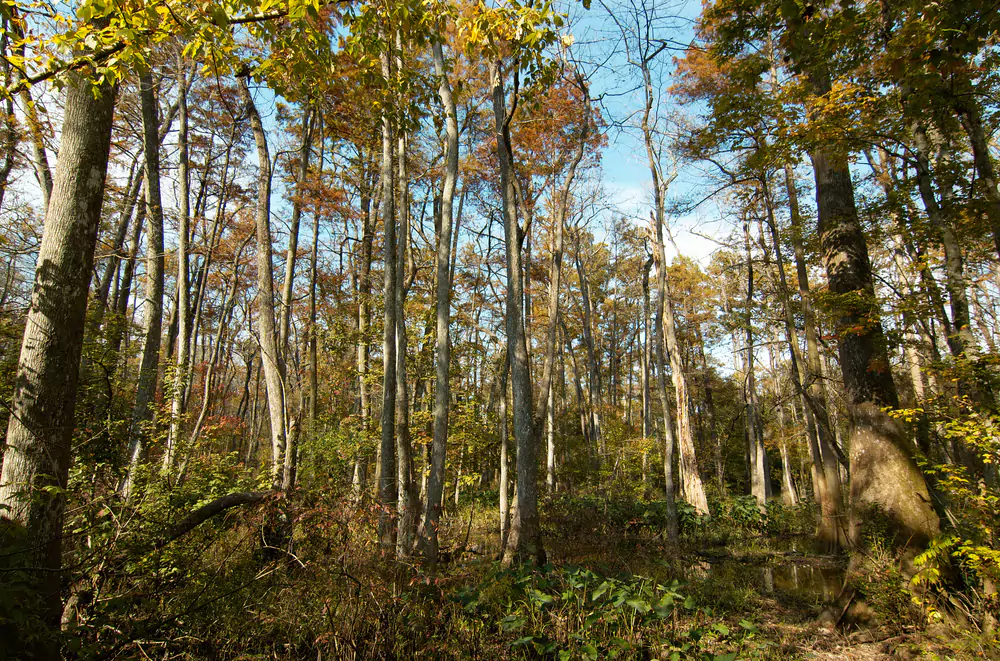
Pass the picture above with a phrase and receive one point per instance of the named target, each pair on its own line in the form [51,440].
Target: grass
[615,588]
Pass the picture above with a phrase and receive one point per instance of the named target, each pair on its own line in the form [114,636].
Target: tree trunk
[442,361]
[594,376]
[967,109]
[143,414]
[183,214]
[525,539]
[407,499]
[36,462]
[760,482]
[504,459]
[883,472]
[293,232]
[272,363]
[387,480]
[826,478]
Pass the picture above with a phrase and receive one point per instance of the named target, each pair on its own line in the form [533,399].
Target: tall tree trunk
[659,186]
[968,111]
[550,444]
[183,214]
[36,462]
[387,453]
[406,504]
[593,369]
[271,359]
[693,489]
[504,457]
[313,279]
[883,471]
[120,302]
[442,361]
[142,414]
[760,482]
[369,212]
[525,539]
[713,432]
[826,477]
[961,340]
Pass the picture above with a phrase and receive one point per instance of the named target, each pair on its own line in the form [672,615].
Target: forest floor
[749,591]
[736,586]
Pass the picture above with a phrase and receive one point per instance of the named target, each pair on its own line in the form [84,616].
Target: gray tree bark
[142,413]
[442,361]
[41,423]
[271,359]
[525,537]
[387,453]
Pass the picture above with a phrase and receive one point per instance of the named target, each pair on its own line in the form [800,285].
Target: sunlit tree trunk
[291,254]
[387,452]
[826,469]
[271,360]
[183,304]
[442,359]
[36,461]
[883,471]
[407,497]
[760,483]
[525,538]
[143,414]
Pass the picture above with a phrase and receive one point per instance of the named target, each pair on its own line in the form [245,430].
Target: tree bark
[387,480]
[406,504]
[183,214]
[271,359]
[442,362]
[883,471]
[760,482]
[142,413]
[41,424]
[293,233]
[525,539]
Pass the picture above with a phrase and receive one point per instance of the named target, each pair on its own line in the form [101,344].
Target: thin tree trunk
[271,359]
[387,455]
[760,482]
[142,414]
[504,459]
[525,539]
[442,362]
[406,504]
[659,186]
[183,184]
[826,472]
[293,232]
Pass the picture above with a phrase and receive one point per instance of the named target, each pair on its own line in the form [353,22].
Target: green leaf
[540,597]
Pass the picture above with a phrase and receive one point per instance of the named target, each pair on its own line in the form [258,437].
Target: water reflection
[822,583]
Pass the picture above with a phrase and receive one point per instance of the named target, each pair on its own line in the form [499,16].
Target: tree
[36,461]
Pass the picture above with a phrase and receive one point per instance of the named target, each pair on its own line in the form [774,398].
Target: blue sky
[625,167]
